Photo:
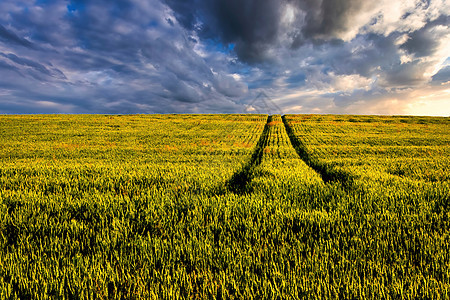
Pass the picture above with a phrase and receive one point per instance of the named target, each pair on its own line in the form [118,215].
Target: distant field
[224,206]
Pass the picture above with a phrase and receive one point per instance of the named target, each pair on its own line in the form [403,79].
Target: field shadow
[328,172]
[238,183]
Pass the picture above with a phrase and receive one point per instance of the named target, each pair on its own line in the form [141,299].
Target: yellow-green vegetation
[224,206]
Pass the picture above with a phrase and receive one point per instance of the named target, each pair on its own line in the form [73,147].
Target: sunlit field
[224,207]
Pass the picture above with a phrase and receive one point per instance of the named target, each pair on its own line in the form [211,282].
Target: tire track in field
[328,172]
[239,181]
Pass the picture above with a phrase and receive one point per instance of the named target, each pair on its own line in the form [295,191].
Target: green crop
[224,207]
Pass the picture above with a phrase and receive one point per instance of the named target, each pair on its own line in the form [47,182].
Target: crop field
[224,207]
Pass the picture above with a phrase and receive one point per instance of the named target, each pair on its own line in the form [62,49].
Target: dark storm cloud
[7,36]
[407,74]
[255,25]
[324,19]
[423,42]
[252,25]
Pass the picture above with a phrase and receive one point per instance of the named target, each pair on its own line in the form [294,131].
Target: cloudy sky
[218,56]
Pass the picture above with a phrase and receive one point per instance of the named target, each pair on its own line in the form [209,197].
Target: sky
[388,57]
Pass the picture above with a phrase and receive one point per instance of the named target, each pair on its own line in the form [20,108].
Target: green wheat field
[224,207]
